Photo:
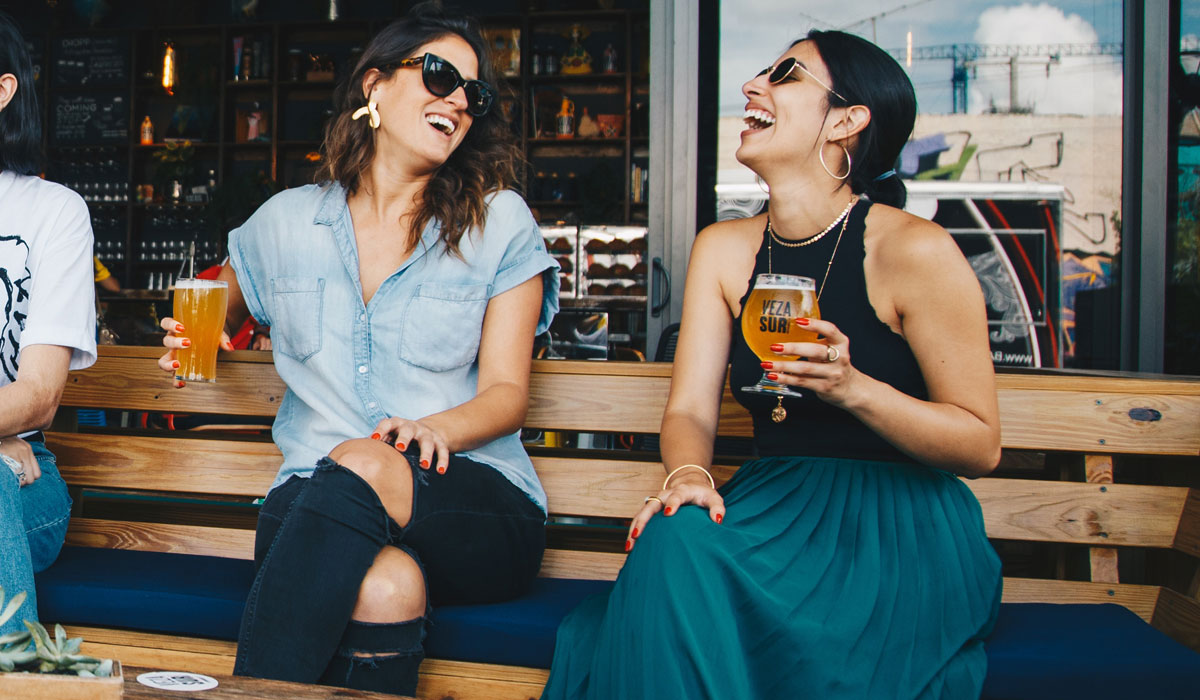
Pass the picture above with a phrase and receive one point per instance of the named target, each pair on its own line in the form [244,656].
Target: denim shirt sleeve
[525,254]
[253,249]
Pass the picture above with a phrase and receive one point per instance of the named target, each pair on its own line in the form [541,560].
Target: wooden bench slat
[228,542]
[1178,616]
[168,464]
[629,397]
[1106,515]
[1100,422]
[1188,537]
[1140,599]
[1094,514]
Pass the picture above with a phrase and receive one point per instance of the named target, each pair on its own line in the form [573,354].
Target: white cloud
[1076,85]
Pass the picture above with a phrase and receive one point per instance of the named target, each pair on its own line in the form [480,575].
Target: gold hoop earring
[371,111]
[821,157]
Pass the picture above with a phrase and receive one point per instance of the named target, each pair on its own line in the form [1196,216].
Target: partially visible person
[848,561]
[103,278]
[49,328]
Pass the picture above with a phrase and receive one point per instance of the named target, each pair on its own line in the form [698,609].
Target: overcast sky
[755,32]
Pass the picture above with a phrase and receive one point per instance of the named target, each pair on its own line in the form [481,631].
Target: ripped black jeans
[477,537]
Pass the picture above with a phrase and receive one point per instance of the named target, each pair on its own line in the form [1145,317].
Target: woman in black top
[848,561]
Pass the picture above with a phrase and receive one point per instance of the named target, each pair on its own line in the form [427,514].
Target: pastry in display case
[562,242]
[612,261]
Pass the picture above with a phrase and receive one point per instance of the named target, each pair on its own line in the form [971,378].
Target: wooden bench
[1075,426]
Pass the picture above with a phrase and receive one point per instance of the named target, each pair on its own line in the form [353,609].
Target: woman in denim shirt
[403,297]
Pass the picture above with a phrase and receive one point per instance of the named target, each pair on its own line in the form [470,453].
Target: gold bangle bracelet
[676,470]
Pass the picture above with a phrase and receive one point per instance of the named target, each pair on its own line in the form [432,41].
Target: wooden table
[242,688]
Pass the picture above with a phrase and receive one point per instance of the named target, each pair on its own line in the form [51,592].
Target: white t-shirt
[47,295]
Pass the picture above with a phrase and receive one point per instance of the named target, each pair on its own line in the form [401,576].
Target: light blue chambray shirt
[411,352]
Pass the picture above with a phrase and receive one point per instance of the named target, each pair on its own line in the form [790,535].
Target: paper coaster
[181,681]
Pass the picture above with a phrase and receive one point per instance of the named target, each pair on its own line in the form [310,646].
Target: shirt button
[372,405]
[362,317]
[362,369]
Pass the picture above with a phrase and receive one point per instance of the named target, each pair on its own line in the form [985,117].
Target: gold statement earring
[821,157]
[370,110]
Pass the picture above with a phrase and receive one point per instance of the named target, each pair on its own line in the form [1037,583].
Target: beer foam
[189,283]
[806,284]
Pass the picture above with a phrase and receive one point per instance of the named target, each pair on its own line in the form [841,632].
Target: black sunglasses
[441,78]
[780,72]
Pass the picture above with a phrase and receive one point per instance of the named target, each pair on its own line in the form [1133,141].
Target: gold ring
[652,498]
[832,354]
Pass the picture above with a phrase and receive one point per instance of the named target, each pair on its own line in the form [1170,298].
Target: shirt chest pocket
[297,318]
[442,325]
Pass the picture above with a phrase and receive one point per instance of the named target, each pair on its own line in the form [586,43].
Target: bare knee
[384,469]
[393,589]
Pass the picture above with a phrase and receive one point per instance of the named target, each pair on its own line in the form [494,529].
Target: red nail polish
[772,376]
[767,365]
[628,545]
[178,327]
[777,347]
[802,321]
[400,446]
[668,510]
[375,436]
[636,532]
[720,517]
[179,385]
[175,364]
[425,465]
[187,343]
[441,470]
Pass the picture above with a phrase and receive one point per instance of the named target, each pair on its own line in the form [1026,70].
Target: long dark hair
[486,161]
[21,120]
[866,75]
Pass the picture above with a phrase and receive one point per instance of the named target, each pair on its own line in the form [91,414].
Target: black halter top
[813,427]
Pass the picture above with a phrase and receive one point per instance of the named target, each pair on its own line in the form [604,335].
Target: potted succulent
[53,668]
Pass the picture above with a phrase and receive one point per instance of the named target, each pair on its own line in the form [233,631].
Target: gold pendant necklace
[779,413]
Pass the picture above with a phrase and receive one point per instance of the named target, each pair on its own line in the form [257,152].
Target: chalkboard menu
[91,60]
[92,118]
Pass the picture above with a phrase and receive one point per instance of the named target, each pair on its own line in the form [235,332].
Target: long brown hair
[485,162]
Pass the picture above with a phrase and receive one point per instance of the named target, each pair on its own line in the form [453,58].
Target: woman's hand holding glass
[688,487]
[401,433]
[823,368]
[176,340]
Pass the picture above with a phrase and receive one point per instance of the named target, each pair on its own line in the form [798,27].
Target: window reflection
[1182,341]
[1016,150]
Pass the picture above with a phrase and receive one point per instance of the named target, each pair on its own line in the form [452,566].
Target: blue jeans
[33,523]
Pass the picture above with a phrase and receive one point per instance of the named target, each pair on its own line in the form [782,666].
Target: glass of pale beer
[200,306]
[769,318]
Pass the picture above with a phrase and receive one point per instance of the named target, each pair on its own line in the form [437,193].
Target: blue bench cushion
[1037,651]
[1053,652]
[171,593]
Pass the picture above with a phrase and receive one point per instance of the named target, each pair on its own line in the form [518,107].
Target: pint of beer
[200,307]
[769,318]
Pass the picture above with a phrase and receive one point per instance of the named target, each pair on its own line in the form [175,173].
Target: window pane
[1182,342]
[1016,149]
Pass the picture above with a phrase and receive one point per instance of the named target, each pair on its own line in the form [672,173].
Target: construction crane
[881,15]
[963,56]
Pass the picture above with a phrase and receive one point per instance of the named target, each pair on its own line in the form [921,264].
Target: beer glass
[769,318]
[200,306]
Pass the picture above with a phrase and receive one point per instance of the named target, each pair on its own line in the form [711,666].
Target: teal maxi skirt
[829,578]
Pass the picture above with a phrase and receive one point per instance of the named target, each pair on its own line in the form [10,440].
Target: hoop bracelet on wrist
[712,484]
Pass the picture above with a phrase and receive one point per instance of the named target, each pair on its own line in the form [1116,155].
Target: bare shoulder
[900,238]
[730,236]
[724,253]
